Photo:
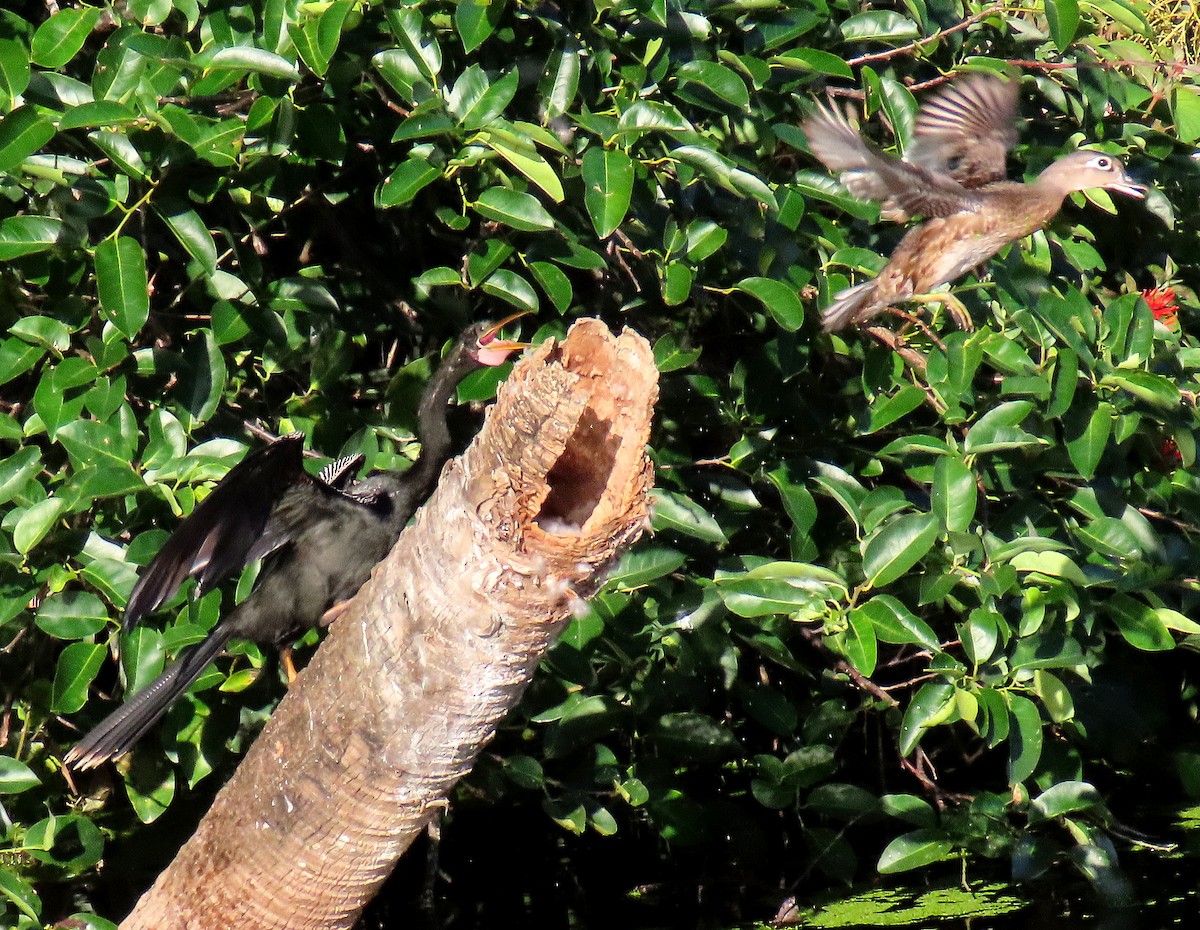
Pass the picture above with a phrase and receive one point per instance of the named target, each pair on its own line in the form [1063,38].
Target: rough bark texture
[437,646]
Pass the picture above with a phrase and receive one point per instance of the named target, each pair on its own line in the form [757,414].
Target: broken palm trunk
[435,649]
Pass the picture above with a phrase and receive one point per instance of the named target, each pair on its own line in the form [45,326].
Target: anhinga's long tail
[117,733]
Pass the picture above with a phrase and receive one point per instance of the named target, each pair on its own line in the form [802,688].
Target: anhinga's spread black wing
[240,521]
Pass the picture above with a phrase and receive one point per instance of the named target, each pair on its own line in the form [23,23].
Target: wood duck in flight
[953,176]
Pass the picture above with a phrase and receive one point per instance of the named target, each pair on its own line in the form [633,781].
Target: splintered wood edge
[581,494]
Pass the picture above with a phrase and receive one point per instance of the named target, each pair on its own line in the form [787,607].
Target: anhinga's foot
[289,664]
[334,612]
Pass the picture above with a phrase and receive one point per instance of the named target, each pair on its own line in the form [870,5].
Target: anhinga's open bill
[320,537]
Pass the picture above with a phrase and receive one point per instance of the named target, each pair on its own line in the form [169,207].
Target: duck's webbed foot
[955,307]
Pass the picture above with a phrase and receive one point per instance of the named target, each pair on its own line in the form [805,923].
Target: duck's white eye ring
[1103,162]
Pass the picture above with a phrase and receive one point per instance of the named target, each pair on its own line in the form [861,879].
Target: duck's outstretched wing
[241,520]
[902,188]
[967,130]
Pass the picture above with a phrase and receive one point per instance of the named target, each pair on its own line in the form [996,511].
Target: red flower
[1162,305]
[1169,450]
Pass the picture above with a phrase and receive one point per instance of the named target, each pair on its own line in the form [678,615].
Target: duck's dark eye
[1103,163]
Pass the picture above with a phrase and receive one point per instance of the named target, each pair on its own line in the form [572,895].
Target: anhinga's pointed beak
[491,350]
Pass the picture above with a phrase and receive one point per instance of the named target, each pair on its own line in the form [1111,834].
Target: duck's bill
[1130,189]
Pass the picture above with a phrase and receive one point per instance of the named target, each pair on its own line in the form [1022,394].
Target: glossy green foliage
[896,607]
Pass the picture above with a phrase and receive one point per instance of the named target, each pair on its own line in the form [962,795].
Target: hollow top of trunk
[577,496]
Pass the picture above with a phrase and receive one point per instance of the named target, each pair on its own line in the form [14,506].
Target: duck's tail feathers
[849,306]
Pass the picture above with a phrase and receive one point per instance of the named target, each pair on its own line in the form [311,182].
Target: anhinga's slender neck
[433,429]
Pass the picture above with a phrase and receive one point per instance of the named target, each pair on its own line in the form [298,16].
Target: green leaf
[1054,695]
[722,81]
[475,20]
[997,430]
[914,850]
[243,58]
[317,37]
[479,103]
[98,113]
[862,647]
[1154,389]
[780,588]
[1124,12]
[512,288]
[887,409]
[16,776]
[76,669]
[1065,798]
[35,523]
[725,173]
[679,513]
[670,356]
[704,239]
[122,151]
[908,808]
[562,80]
[22,132]
[21,894]
[530,164]
[811,59]
[1139,624]
[14,71]
[1062,16]
[1185,107]
[72,615]
[879,26]
[150,791]
[677,283]
[25,235]
[900,545]
[608,178]
[954,494]
[17,470]
[60,37]
[1050,564]
[91,443]
[780,300]
[189,229]
[122,284]
[932,705]
[895,623]
[43,331]
[644,565]
[203,379]
[648,115]
[513,208]
[1087,436]
[1024,739]
[403,184]
[555,283]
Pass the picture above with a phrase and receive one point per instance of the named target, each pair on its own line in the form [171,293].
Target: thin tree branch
[917,43]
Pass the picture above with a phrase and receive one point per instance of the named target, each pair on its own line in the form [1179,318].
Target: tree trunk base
[435,649]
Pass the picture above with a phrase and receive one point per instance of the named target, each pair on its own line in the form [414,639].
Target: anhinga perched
[320,536]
